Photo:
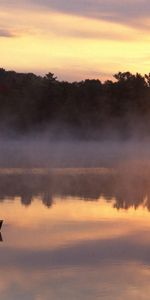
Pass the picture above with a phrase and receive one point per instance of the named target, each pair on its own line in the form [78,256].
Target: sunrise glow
[73,41]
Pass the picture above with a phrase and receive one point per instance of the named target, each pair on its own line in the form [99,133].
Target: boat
[1,222]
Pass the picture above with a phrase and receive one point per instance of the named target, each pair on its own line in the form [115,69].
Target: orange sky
[86,39]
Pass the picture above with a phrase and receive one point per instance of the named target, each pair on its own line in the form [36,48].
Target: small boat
[1,222]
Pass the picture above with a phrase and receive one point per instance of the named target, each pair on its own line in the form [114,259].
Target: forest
[86,109]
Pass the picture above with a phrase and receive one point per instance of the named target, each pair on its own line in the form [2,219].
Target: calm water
[74,234]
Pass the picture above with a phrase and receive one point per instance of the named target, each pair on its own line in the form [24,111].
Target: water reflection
[128,189]
[81,248]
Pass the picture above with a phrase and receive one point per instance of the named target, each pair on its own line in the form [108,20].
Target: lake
[75,233]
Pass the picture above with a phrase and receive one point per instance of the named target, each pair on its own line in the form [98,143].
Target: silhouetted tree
[29,102]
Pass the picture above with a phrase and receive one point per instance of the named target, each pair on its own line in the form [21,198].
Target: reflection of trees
[128,191]
[47,198]
[25,187]
[133,192]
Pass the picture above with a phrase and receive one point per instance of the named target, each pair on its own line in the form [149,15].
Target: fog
[42,152]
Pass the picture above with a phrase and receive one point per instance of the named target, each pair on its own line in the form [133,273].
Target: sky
[75,39]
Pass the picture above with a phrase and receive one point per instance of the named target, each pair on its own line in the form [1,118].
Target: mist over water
[40,151]
[73,212]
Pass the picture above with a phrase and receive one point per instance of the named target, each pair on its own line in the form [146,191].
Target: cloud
[81,34]
[93,34]
[6,33]
[134,13]
[131,12]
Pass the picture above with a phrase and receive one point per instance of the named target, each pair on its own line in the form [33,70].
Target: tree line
[87,108]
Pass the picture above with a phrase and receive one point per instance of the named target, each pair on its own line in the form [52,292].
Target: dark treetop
[87,109]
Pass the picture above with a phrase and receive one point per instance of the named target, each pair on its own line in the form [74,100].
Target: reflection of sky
[75,39]
[74,250]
